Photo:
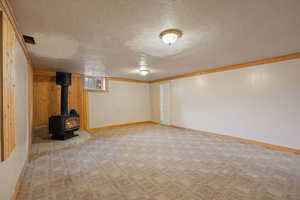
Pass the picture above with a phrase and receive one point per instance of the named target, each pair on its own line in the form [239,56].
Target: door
[165,114]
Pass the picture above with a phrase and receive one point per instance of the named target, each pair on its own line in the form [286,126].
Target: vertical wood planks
[8,84]
[46,97]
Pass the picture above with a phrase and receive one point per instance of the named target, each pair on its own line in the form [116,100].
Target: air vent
[29,39]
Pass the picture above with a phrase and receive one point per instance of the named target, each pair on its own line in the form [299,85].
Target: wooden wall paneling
[46,97]
[81,97]
[7,8]
[86,122]
[76,96]
[1,84]
[8,80]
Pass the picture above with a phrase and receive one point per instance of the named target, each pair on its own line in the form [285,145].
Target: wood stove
[63,126]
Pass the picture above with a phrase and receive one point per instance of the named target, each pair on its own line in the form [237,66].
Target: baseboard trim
[153,122]
[270,146]
[19,182]
[120,125]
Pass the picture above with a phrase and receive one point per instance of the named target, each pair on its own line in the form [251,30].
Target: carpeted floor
[43,144]
[161,163]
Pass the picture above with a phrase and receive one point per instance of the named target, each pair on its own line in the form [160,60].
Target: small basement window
[94,83]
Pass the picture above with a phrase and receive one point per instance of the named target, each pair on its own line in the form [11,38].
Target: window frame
[104,83]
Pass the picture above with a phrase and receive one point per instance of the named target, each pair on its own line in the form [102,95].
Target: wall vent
[29,39]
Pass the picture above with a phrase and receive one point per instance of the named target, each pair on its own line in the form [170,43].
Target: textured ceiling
[113,37]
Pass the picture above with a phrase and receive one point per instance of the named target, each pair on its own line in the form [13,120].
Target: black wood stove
[63,126]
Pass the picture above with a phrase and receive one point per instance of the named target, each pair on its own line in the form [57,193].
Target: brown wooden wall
[8,84]
[46,97]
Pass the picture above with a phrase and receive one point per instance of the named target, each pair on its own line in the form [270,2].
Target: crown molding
[7,9]
[232,67]
[126,80]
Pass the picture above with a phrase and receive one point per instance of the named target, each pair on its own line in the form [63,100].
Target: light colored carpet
[152,162]
[42,143]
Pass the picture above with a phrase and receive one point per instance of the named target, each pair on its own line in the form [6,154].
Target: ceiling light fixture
[144,72]
[170,36]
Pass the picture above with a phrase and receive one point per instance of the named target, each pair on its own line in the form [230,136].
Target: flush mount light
[144,72]
[170,36]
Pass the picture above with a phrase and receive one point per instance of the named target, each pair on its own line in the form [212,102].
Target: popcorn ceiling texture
[154,162]
[112,37]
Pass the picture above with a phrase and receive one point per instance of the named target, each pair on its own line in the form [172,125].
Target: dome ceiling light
[170,36]
[144,72]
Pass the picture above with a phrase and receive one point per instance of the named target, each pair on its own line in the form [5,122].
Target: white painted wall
[155,102]
[259,103]
[11,168]
[126,102]
[165,103]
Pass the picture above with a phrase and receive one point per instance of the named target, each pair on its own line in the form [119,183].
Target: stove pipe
[64,80]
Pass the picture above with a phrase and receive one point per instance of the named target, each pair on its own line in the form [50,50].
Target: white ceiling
[114,37]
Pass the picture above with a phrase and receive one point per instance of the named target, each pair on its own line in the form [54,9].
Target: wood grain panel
[86,121]
[8,84]
[5,5]
[46,97]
